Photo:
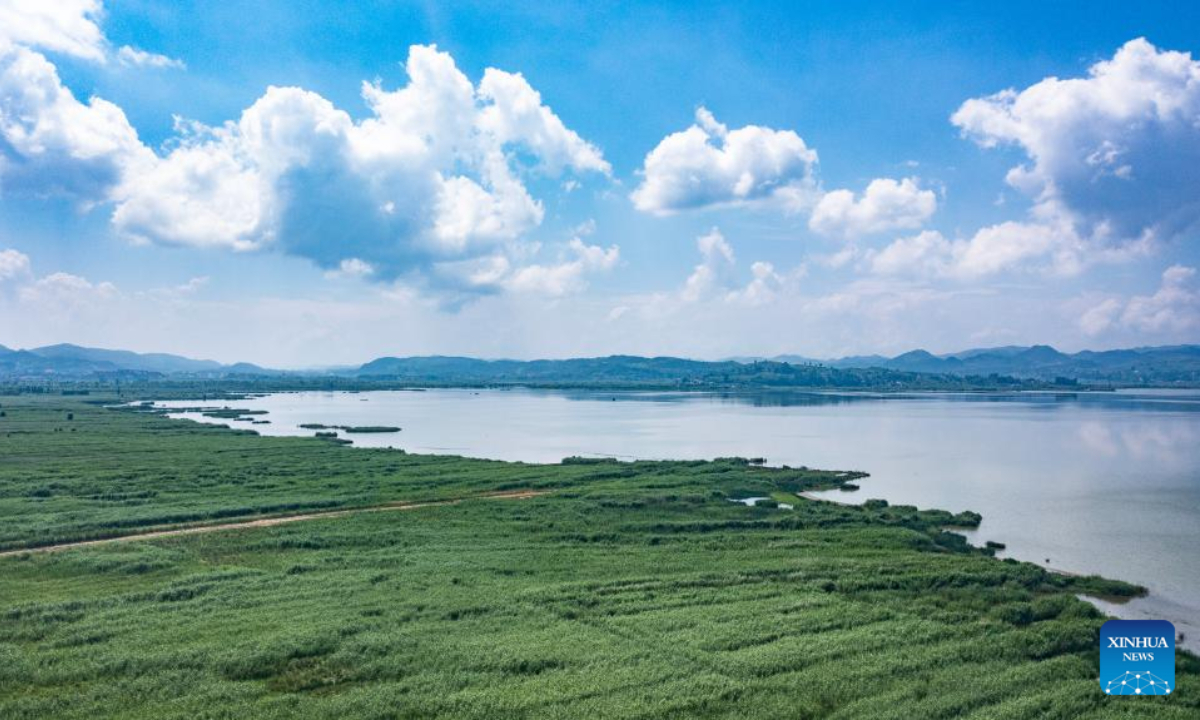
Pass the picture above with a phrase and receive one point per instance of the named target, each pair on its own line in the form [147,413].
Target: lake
[1105,483]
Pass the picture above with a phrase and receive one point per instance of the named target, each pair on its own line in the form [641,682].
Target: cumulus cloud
[880,302]
[709,165]
[715,277]
[217,186]
[65,26]
[69,27]
[927,253]
[1114,153]
[1010,244]
[351,268]
[564,277]
[66,291]
[516,115]
[990,250]
[886,204]
[51,143]
[762,288]
[432,176]
[134,57]
[62,295]
[1175,306]
[515,270]
[715,270]
[14,266]
[1099,318]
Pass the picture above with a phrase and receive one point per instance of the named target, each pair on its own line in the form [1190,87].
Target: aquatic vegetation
[231,413]
[351,428]
[628,590]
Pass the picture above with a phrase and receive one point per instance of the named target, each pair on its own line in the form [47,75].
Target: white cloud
[926,253]
[428,178]
[432,176]
[617,313]
[1114,153]
[203,194]
[63,306]
[514,271]
[991,250]
[351,268]
[708,165]
[17,271]
[763,287]
[1099,318]
[873,300]
[1172,311]
[516,116]
[835,260]
[193,285]
[50,143]
[867,315]
[714,272]
[1112,162]
[715,278]
[66,26]
[14,266]
[70,27]
[1000,247]
[886,204]
[595,257]
[135,57]
[66,291]
[565,277]
[176,293]
[1175,306]
[467,213]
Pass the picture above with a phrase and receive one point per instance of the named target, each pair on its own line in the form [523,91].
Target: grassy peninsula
[624,590]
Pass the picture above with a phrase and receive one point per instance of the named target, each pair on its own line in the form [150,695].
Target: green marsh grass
[631,590]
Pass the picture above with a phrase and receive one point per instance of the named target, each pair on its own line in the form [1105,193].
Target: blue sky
[695,179]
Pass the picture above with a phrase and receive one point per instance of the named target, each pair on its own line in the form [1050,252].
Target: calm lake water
[1105,483]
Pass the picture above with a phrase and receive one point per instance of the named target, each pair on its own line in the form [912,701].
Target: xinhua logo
[1137,657]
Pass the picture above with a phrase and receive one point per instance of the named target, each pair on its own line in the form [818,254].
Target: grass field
[627,590]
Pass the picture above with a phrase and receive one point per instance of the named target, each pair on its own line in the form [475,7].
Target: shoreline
[827,496]
[1148,606]
[641,566]
[1108,606]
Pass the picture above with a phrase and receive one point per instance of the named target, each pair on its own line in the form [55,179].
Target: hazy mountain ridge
[1172,364]
[1164,366]
[615,367]
[666,372]
[74,361]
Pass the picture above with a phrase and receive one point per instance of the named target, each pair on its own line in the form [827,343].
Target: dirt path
[275,520]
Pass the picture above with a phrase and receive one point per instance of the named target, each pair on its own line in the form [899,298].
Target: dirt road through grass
[274,520]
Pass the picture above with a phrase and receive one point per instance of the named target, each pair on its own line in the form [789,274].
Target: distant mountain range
[1175,364]
[73,361]
[616,368]
[663,372]
[1163,366]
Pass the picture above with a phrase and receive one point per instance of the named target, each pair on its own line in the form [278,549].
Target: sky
[307,183]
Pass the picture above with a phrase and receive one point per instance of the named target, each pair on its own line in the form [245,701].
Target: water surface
[1104,483]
